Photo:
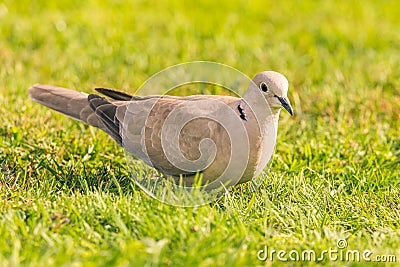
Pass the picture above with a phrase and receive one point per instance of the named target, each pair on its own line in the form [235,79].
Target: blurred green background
[66,198]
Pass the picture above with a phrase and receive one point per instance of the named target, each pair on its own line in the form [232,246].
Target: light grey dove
[149,127]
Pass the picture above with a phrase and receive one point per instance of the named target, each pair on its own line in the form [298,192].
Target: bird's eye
[264,87]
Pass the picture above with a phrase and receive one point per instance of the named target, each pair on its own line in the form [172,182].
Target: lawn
[67,198]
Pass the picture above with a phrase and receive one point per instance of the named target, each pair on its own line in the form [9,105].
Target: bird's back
[170,134]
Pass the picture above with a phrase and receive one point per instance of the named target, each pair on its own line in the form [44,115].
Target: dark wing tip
[93,96]
[96,101]
[106,111]
[114,94]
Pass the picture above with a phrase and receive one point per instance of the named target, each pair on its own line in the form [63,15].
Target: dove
[182,136]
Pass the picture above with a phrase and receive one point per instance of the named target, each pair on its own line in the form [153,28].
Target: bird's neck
[275,117]
[267,119]
[264,113]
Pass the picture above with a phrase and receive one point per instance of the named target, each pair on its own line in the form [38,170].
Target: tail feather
[71,103]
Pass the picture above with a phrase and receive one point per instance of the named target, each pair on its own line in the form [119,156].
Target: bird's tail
[71,103]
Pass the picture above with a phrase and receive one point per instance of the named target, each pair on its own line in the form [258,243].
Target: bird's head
[274,87]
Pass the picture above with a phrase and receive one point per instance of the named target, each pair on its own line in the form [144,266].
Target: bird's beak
[286,104]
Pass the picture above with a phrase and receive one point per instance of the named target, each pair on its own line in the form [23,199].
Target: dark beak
[286,105]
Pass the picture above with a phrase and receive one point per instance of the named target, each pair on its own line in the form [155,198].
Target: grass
[67,197]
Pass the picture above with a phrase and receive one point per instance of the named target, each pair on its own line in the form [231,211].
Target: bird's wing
[183,135]
[167,132]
